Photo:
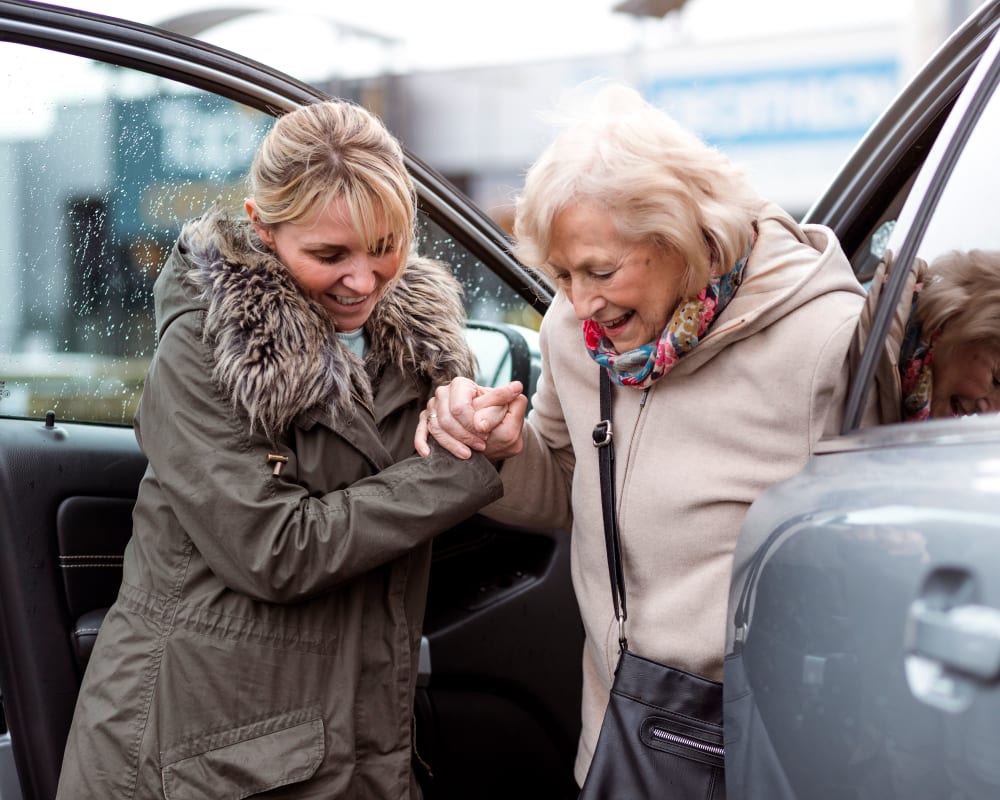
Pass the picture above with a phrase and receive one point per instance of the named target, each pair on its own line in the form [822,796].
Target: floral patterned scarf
[916,374]
[691,320]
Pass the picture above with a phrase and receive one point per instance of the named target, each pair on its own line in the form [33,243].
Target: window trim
[916,215]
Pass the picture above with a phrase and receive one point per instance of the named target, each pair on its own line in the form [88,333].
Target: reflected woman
[941,356]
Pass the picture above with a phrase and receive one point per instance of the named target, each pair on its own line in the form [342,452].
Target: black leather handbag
[662,731]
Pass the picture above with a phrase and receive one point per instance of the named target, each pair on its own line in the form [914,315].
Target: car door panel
[91,533]
[41,468]
[502,623]
[828,616]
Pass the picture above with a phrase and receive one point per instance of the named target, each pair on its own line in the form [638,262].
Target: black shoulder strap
[603,441]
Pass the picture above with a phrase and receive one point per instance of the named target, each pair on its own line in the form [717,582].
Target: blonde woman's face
[630,290]
[966,382]
[331,264]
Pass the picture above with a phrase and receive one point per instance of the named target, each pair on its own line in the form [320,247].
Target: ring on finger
[432,415]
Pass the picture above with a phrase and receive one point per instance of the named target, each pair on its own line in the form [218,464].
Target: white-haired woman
[724,326]
[266,635]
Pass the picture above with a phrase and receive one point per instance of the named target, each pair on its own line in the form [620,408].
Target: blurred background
[785,87]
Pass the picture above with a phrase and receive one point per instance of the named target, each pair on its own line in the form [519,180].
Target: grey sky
[443,34]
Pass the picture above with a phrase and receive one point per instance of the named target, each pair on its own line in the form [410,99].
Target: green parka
[266,635]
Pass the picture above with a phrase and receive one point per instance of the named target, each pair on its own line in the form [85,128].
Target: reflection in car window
[100,167]
[962,284]
[487,298]
[947,322]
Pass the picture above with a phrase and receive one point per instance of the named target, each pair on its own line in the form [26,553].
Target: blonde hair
[961,297]
[659,182]
[330,150]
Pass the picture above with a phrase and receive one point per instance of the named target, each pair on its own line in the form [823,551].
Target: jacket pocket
[242,761]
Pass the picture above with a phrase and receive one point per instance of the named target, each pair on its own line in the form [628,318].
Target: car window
[941,333]
[964,217]
[101,166]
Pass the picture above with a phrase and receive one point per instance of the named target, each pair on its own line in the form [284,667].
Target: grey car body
[864,630]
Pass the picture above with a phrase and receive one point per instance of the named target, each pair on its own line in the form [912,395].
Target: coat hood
[276,352]
[790,265]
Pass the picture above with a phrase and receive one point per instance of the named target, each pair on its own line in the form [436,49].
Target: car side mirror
[504,352]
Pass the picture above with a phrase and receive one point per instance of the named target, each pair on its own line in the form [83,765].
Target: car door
[112,135]
[863,655]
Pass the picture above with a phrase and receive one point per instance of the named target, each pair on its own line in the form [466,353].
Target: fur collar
[276,351]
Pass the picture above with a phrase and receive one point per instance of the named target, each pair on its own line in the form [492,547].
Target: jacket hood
[276,352]
[790,265]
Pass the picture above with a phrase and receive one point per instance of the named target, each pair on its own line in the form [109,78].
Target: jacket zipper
[694,744]
[359,400]
[631,444]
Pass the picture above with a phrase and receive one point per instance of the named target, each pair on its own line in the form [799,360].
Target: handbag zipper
[674,738]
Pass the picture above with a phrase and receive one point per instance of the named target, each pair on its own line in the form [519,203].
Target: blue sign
[177,154]
[780,106]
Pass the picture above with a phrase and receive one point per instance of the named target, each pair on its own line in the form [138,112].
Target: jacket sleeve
[832,370]
[537,483]
[269,538]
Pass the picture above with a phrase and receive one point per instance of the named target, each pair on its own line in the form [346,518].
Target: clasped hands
[464,417]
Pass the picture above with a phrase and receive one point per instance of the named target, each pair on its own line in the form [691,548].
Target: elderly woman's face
[629,289]
[330,262]
[966,381]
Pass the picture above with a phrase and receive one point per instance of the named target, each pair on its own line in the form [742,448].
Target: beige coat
[266,635]
[738,414]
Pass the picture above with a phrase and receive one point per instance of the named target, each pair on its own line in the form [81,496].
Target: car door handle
[964,638]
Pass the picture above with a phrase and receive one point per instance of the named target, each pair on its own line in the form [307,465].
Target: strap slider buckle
[602,433]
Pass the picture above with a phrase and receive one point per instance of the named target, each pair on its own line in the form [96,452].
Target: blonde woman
[266,635]
[724,327]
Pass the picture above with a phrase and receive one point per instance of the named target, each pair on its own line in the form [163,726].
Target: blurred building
[789,112]
[788,109]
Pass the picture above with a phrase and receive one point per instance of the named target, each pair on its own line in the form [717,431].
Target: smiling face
[331,263]
[630,290]
[966,381]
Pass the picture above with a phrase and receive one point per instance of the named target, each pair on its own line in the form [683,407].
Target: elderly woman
[949,362]
[724,327]
[266,635]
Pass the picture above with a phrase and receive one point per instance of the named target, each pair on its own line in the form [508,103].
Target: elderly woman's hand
[463,416]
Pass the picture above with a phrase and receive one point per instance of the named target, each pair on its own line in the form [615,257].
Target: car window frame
[915,218]
[896,145]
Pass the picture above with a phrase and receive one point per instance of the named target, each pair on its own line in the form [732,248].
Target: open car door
[113,135]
